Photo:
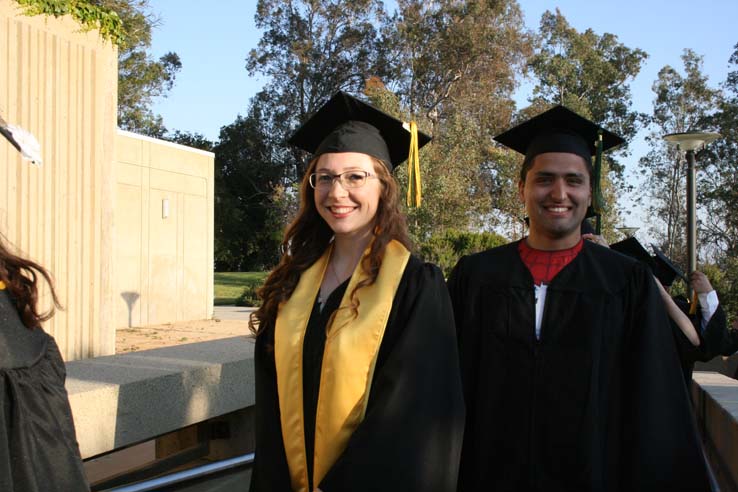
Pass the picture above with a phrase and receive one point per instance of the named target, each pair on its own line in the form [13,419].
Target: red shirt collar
[545,265]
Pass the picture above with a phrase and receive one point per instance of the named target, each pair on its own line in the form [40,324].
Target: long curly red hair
[308,236]
[21,278]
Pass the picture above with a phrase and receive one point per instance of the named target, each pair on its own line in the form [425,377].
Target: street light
[689,142]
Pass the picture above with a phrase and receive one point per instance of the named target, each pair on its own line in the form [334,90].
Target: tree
[717,185]
[141,79]
[248,184]
[458,66]
[458,57]
[682,103]
[309,50]
[587,72]
[191,139]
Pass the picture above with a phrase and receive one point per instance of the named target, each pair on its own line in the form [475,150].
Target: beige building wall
[164,229]
[60,84]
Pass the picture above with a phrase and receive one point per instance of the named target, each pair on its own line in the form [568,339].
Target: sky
[213,43]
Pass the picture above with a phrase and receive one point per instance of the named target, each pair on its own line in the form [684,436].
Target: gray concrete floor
[232,312]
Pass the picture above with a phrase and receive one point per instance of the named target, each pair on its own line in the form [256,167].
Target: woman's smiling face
[349,212]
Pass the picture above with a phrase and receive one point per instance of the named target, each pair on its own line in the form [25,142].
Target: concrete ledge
[124,399]
[716,408]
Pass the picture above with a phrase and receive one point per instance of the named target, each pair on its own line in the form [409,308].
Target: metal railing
[244,460]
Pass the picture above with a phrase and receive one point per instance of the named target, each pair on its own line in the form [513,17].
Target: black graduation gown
[410,439]
[716,339]
[38,446]
[597,404]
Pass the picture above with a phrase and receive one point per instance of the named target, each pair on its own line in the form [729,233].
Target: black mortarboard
[666,271]
[631,247]
[562,130]
[557,130]
[346,124]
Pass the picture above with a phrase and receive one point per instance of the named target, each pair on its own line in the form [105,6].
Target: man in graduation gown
[570,372]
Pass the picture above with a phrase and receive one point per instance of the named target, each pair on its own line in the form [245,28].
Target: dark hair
[308,236]
[21,278]
[528,163]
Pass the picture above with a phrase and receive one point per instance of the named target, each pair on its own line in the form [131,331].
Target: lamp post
[689,142]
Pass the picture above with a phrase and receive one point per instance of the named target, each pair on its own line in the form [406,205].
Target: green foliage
[588,72]
[141,78]
[459,62]
[230,285]
[727,286]
[308,51]
[89,14]
[191,139]
[458,56]
[717,190]
[248,297]
[249,190]
[446,248]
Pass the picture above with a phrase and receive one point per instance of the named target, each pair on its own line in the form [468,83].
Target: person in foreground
[357,377]
[38,446]
[570,373]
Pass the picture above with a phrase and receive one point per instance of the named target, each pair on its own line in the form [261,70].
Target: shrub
[248,297]
[445,249]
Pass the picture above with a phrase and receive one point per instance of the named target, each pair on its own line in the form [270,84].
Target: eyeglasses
[349,179]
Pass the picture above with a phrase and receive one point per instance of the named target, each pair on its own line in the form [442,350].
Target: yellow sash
[2,285]
[349,357]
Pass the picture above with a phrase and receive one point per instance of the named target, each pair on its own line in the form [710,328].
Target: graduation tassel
[413,169]
[693,306]
[597,202]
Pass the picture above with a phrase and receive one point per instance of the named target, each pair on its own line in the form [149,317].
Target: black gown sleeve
[410,439]
[661,447]
[38,445]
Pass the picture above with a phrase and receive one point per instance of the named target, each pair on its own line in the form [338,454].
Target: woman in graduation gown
[38,447]
[357,375]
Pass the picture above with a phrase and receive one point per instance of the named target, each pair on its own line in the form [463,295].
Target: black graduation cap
[562,130]
[631,247]
[666,271]
[558,130]
[346,124]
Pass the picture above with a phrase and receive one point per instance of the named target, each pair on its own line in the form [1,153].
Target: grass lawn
[229,285]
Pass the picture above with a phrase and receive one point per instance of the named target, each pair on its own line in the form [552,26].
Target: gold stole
[349,357]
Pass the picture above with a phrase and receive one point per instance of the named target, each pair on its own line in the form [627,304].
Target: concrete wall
[125,399]
[61,85]
[715,399]
[164,265]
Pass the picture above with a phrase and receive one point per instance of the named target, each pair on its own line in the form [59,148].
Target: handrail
[186,475]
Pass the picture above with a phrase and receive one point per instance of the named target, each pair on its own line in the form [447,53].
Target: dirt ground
[156,336]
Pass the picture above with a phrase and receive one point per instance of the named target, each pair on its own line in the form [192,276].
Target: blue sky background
[213,86]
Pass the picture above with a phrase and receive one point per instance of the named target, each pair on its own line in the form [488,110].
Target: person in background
[38,445]
[701,332]
[357,373]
